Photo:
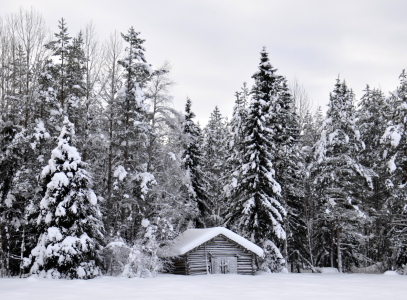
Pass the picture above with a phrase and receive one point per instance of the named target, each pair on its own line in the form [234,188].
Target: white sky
[214,45]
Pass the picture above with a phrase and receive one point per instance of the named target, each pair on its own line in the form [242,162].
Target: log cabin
[212,251]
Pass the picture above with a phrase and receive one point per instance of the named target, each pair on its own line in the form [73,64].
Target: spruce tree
[238,119]
[132,181]
[15,188]
[340,179]
[133,110]
[373,118]
[235,144]
[236,138]
[256,211]
[60,49]
[75,84]
[192,160]
[48,109]
[290,170]
[395,155]
[214,161]
[373,115]
[69,221]
[309,136]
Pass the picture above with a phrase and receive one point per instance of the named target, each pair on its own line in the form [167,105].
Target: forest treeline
[98,170]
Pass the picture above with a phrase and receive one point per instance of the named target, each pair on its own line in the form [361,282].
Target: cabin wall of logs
[219,255]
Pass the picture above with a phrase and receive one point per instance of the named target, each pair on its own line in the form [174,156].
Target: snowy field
[265,286]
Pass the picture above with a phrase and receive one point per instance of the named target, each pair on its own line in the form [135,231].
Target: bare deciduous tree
[110,85]
[302,102]
[28,34]
[91,105]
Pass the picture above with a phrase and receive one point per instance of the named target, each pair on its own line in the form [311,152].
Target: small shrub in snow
[273,261]
[115,256]
[141,263]
[138,260]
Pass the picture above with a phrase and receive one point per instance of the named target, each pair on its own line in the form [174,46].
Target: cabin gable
[218,255]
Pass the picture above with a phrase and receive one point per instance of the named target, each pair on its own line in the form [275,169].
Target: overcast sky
[213,45]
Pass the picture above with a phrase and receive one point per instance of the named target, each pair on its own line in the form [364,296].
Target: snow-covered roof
[193,238]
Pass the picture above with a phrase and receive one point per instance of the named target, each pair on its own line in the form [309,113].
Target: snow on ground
[167,287]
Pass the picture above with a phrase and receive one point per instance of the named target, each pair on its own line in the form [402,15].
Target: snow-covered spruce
[69,220]
[192,159]
[339,179]
[257,213]
[240,111]
[394,137]
[130,180]
[394,141]
[214,165]
[289,171]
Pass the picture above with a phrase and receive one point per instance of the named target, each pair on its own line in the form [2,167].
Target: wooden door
[224,265]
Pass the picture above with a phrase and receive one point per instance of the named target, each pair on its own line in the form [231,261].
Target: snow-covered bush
[273,261]
[131,261]
[137,260]
[115,256]
[141,262]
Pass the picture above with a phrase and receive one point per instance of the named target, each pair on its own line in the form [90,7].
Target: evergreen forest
[98,170]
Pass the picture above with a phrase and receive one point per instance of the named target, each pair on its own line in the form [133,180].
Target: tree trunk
[332,249]
[285,245]
[339,251]
[1,251]
[7,270]
[22,253]
[110,204]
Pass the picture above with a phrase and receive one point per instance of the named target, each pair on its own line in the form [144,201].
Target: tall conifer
[339,178]
[192,159]
[395,155]
[256,210]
